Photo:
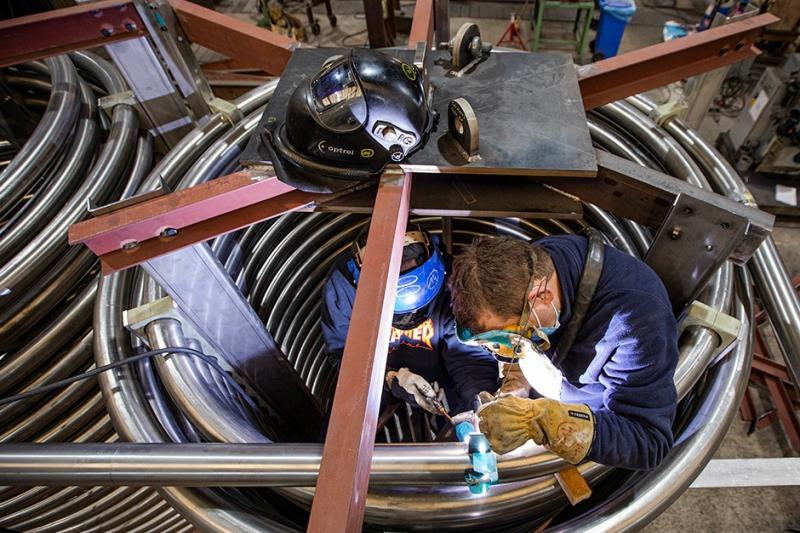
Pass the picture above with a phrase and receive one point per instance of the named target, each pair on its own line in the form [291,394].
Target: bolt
[130,245]
[180,38]
[709,247]
[675,234]
[169,232]
[725,225]
[130,26]
[687,210]
[107,32]
[97,13]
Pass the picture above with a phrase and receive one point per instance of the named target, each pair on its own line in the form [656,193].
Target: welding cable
[128,360]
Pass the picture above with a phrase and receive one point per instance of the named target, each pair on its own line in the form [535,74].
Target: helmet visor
[336,85]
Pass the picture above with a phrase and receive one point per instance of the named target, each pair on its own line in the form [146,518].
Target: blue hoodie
[431,350]
[623,360]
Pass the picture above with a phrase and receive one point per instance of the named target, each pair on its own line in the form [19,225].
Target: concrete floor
[758,509]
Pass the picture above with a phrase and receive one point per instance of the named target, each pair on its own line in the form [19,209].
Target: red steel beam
[421,24]
[243,41]
[785,409]
[69,29]
[130,235]
[346,458]
[655,66]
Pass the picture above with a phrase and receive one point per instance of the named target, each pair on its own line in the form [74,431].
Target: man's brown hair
[492,274]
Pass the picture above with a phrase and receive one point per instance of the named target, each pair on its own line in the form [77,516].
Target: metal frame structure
[141,232]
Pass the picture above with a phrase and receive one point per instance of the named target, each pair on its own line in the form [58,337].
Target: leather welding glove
[412,388]
[567,429]
[513,381]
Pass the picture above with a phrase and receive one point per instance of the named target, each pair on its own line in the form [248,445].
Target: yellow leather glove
[566,429]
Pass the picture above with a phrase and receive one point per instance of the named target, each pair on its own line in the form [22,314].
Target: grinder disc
[460,48]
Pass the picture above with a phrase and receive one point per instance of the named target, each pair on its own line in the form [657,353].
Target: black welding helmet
[361,112]
[421,278]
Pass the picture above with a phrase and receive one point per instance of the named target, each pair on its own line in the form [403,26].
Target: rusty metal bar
[654,66]
[647,196]
[785,410]
[69,29]
[344,472]
[128,236]
[441,21]
[422,24]
[237,39]
[378,30]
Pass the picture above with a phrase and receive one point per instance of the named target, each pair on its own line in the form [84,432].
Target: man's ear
[543,293]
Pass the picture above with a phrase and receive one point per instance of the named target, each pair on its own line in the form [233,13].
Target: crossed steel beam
[132,234]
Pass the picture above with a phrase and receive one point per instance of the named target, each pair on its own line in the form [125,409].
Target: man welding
[427,366]
[590,341]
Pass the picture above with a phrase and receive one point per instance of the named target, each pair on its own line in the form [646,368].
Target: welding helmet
[361,112]
[420,281]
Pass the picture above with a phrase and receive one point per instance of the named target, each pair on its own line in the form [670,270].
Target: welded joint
[726,327]
[230,112]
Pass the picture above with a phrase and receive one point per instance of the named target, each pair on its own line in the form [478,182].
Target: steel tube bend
[280,265]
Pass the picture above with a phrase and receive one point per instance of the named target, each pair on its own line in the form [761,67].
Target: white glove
[411,388]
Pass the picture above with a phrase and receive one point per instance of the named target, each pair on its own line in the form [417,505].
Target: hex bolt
[130,26]
[725,225]
[687,210]
[675,234]
[130,245]
[107,32]
[709,248]
[169,232]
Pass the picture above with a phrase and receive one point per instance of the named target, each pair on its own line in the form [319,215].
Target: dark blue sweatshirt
[430,350]
[623,360]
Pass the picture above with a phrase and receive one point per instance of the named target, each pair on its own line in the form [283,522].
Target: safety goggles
[508,345]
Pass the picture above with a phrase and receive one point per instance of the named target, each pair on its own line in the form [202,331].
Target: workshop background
[729,509]
[750,111]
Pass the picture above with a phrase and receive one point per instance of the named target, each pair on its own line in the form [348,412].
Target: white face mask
[541,373]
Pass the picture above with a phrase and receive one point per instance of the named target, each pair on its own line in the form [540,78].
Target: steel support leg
[344,472]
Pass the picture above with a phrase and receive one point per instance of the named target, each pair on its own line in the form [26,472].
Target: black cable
[350,36]
[132,359]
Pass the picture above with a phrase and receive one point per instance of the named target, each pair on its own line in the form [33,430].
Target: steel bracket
[725,326]
[107,103]
[693,241]
[230,112]
[135,320]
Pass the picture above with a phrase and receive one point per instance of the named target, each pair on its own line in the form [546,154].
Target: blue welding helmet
[421,278]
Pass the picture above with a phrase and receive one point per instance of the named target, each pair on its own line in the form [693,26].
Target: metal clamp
[107,103]
[229,111]
[483,473]
[135,320]
[663,113]
[725,326]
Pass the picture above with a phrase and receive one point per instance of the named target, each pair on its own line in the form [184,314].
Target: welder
[590,338]
[427,366]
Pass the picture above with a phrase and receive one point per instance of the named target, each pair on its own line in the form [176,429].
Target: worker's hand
[466,416]
[566,429]
[412,388]
[513,382]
